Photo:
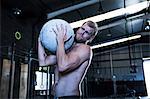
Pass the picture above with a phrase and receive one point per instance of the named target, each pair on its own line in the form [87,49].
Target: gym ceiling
[112,28]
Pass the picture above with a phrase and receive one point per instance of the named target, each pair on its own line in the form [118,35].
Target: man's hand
[61,33]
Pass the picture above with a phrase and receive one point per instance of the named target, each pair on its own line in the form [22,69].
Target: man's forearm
[61,54]
[41,53]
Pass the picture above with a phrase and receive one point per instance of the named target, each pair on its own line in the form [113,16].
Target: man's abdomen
[67,88]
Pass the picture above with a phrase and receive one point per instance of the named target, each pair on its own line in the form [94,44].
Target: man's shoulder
[83,49]
[84,46]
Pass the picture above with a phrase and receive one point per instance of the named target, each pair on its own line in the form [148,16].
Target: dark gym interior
[117,69]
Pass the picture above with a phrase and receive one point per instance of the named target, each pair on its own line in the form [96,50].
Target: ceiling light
[16,11]
[147,58]
[136,7]
[116,41]
[123,11]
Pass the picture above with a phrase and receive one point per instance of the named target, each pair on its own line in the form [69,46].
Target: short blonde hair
[95,27]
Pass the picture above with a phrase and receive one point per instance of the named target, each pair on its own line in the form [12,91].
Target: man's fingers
[54,31]
[61,31]
[57,28]
[62,28]
[65,29]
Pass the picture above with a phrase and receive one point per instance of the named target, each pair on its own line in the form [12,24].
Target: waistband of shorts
[70,97]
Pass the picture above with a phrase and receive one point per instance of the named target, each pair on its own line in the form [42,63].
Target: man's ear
[91,39]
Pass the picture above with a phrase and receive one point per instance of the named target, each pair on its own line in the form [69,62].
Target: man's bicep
[72,63]
[77,59]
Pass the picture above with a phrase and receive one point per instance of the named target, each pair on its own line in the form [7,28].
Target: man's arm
[73,59]
[43,58]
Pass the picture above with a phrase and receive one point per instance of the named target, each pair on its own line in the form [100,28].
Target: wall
[11,24]
[124,64]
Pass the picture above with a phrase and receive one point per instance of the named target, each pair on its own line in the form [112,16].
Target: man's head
[87,32]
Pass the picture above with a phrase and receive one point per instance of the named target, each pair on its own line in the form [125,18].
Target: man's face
[84,33]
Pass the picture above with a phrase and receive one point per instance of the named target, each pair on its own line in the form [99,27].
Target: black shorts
[70,97]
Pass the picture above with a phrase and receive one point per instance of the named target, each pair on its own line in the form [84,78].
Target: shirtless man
[70,66]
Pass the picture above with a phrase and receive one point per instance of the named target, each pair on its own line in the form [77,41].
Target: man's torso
[69,84]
